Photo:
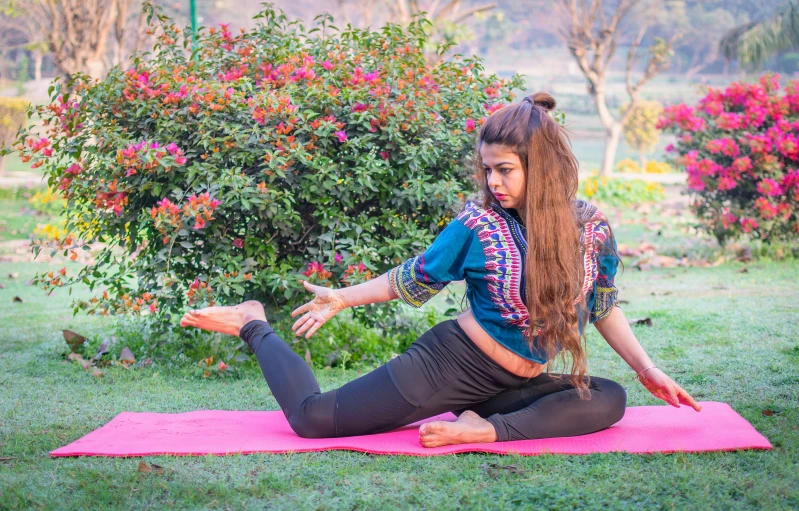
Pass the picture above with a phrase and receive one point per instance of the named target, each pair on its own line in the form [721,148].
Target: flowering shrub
[740,149]
[618,191]
[271,157]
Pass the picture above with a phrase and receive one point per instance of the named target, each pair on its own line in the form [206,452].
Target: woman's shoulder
[595,226]
[588,213]
[472,212]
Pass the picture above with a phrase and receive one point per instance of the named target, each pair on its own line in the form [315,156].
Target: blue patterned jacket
[487,248]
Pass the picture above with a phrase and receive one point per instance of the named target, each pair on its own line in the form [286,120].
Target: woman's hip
[445,365]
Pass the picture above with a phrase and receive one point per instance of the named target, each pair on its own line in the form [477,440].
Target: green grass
[725,336]
[18,219]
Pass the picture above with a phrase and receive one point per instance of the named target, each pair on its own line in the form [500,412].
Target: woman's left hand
[663,387]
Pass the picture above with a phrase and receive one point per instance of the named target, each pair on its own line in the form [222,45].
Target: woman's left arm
[617,332]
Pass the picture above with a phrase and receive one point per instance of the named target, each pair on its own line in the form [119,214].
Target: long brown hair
[554,269]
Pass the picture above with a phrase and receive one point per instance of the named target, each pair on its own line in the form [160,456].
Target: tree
[447,20]
[591,33]
[640,128]
[753,43]
[76,33]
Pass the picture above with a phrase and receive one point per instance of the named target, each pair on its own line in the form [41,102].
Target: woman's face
[504,175]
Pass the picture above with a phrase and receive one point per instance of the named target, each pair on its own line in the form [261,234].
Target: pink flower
[728,219]
[493,108]
[172,148]
[766,209]
[742,164]
[359,107]
[238,243]
[469,125]
[341,135]
[180,160]
[199,222]
[384,155]
[327,65]
[129,152]
[131,172]
[670,148]
[338,257]
[748,224]
[371,77]
[695,182]
[769,187]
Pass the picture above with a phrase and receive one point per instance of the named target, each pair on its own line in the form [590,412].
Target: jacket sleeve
[605,291]
[422,277]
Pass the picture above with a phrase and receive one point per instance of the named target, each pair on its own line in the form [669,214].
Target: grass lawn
[725,336]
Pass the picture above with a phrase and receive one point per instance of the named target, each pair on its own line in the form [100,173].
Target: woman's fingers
[301,309]
[301,320]
[313,330]
[686,399]
[306,322]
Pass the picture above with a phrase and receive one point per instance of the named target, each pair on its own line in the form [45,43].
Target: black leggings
[442,371]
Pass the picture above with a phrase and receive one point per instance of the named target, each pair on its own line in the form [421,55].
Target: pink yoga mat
[644,429]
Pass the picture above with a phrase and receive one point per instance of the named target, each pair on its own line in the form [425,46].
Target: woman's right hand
[326,304]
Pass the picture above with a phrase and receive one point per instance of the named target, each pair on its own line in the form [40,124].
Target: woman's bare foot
[227,320]
[469,428]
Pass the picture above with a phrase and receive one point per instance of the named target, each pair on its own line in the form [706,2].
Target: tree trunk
[611,145]
[38,56]
[612,127]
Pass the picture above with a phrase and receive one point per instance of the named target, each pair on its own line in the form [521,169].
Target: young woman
[537,263]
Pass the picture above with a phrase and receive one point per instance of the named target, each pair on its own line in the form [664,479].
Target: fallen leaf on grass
[102,350]
[146,468]
[743,270]
[74,340]
[18,299]
[656,261]
[97,373]
[13,275]
[640,322]
[126,356]
[77,357]
[6,458]
[767,412]
[308,357]
[494,469]
[625,250]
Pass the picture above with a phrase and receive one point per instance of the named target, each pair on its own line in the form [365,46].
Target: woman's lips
[499,196]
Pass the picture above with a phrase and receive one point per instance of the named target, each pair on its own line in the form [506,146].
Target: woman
[488,365]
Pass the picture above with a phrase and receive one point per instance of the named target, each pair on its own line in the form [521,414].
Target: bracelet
[638,375]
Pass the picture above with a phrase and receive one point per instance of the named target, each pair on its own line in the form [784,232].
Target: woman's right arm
[372,291]
[328,302]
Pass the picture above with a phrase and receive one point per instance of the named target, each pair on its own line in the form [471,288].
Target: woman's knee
[614,399]
[314,418]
